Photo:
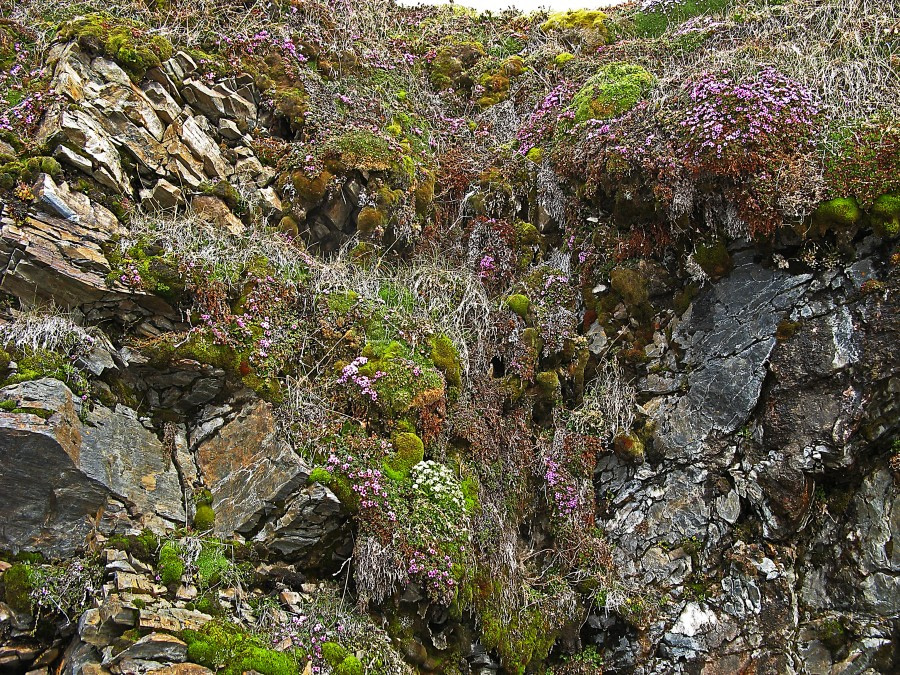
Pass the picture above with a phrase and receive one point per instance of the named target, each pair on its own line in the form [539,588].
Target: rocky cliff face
[301,373]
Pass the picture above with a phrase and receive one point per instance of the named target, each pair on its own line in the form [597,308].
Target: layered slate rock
[55,254]
[58,474]
[727,336]
[47,500]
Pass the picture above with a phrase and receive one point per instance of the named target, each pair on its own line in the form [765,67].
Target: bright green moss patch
[42,363]
[230,650]
[446,357]
[886,215]
[563,58]
[128,43]
[841,212]
[342,303]
[147,266]
[204,518]
[17,587]
[27,170]
[519,304]
[524,639]
[171,566]
[408,451]
[402,378]
[535,155]
[614,90]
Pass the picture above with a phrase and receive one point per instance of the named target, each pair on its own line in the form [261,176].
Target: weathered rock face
[60,473]
[756,533]
[766,427]
[48,500]
[259,487]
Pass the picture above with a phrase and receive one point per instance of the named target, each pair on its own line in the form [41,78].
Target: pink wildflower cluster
[486,266]
[350,373]
[365,481]
[307,633]
[435,572]
[540,125]
[131,277]
[26,114]
[560,487]
[733,118]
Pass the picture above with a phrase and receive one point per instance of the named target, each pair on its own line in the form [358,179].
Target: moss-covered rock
[519,304]
[359,149]
[630,285]
[27,170]
[446,358]
[311,190]
[448,69]
[130,44]
[292,104]
[714,259]
[593,24]
[836,214]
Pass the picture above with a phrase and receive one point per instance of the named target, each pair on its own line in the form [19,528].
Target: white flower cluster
[437,481]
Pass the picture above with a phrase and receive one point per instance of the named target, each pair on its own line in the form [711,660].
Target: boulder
[727,335]
[214,211]
[248,469]
[156,647]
